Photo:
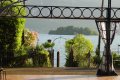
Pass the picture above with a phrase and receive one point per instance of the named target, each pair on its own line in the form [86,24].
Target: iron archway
[51,15]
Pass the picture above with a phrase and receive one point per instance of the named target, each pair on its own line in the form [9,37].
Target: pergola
[106,23]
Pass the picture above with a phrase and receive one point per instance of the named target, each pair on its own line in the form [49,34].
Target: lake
[59,41]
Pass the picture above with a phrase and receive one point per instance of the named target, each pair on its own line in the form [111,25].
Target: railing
[59,12]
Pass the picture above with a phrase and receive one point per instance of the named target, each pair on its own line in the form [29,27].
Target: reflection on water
[61,77]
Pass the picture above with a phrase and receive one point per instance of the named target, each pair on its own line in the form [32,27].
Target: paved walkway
[52,71]
[60,77]
[56,74]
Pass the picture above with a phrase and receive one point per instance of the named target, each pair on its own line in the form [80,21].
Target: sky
[44,25]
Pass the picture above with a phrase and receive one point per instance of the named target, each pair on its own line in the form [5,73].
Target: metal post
[118,49]
[52,57]
[71,57]
[108,36]
[58,58]
[106,67]
[88,56]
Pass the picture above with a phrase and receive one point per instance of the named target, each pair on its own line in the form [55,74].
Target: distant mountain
[70,30]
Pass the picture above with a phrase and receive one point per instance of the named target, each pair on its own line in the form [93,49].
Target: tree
[30,38]
[97,58]
[41,57]
[11,30]
[81,47]
[48,44]
[22,56]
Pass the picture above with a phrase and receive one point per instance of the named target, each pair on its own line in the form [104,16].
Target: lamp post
[107,28]
[58,52]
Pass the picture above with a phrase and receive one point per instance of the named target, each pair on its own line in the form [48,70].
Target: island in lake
[71,30]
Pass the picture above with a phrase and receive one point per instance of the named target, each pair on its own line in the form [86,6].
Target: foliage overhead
[11,30]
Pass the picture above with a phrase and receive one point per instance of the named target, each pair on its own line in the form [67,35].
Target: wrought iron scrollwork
[59,12]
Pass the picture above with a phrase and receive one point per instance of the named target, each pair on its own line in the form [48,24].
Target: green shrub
[97,58]
[11,30]
[80,47]
[116,59]
[28,62]
[48,44]
[41,57]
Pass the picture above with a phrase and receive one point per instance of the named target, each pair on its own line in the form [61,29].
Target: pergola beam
[60,12]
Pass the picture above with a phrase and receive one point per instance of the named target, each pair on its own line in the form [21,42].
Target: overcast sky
[93,3]
[47,24]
